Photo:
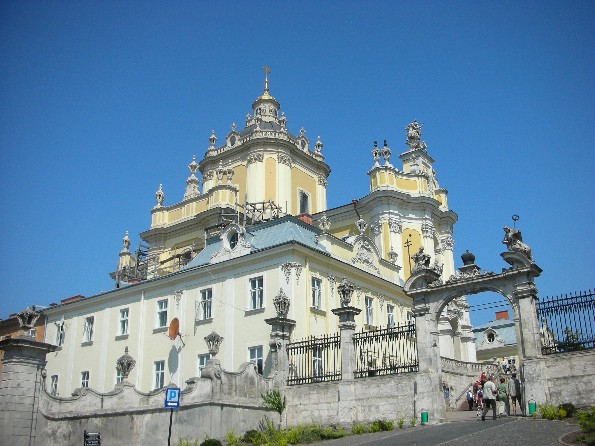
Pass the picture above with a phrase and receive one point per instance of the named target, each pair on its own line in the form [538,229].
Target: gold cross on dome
[266,78]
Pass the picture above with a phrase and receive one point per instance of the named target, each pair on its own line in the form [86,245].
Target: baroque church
[252,229]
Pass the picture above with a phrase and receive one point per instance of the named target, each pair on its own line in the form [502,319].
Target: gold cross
[266,78]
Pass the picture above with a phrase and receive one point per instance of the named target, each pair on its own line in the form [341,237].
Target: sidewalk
[463,429]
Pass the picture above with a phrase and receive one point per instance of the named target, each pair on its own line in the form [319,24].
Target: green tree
[273,400]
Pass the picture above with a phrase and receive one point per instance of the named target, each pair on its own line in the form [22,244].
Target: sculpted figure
[421,259]
[514,242]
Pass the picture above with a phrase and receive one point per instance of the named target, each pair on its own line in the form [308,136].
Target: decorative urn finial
[125,364]
[281,303]
[27,319]
[345,290]
[213,342]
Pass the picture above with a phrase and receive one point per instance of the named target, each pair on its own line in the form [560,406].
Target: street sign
[92,439]
[172,397]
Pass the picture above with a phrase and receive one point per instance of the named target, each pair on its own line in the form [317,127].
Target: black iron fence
[386,351]
[315,359]
[567,322]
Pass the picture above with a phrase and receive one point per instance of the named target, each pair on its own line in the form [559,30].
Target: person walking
[489,398]
[514,391]
[470,398]
[502,397]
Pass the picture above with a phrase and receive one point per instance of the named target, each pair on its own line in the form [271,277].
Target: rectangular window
[88,329]
[60,334]
[85,378]
[31,332]
[159,374]
[316,293]
[54,385]
[255,356]
[410,318]
[202,362]
[390,315]
[205,304]
[304,203]
[256,293]
[161,313]
[369,311]
[317,362]
[118,376]
[123,321]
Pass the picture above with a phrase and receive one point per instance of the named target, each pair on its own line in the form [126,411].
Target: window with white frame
[31,332]
[317,362]
[161,313]
[123,321]
[256,293]
[410,318]
[119,377]
[390,315]
[205,304]
[85,378]
[316,293]
[54,385]
[369,311]
[202,362]
[159,374]
[255,356]
[60,333]
[88,329]
[304,202]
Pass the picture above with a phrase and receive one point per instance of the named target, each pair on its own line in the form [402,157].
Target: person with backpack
[514,391]
[470,398]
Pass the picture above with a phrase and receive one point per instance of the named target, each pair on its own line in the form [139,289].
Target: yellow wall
[270,182]
[406,184]
[301,180]
[239,180]
[415,237]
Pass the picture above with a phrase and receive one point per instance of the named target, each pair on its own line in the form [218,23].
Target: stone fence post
[23,377]
[281,328]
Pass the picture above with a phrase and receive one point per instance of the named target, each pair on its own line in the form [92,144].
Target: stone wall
[127,417]
[459,375]
[569,377]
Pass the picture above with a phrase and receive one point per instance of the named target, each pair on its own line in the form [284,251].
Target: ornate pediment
[233,244]
[366,253]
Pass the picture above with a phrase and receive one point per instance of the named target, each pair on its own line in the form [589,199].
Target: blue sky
[100,102]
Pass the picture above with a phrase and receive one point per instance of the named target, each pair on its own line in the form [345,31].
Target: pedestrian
[470,398]
[479,401]
[482,378]
[502,397]
[489,398]
[514,392]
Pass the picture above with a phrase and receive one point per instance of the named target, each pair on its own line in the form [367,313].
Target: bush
[211,442]
[382,425]
[358,429]
[401,422]
[413,422]
[550,412]
[586,420]
[569,408]
[255,437]
[183,442]
[330,433]
[233,439]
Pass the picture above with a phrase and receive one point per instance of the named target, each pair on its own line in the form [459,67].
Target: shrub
[233,439]
[374,427]
[401,422]
[413,422]
[183,442]
[569,408]
[550,412]
[211,442]
[382,425]
[586,420]
[255,437]
[329,433]
[273,400]
[358,429]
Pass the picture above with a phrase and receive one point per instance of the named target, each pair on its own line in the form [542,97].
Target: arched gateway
[431,295]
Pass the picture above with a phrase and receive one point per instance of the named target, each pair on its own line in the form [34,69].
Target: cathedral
[251,228]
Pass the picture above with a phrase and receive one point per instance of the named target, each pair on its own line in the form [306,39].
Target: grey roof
[267,235]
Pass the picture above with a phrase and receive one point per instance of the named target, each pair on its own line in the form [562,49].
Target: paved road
[467,432]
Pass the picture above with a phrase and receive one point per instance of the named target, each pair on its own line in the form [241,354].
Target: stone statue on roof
[514,242]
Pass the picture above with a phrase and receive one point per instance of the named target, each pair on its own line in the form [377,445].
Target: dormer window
[233,239]
[491,337]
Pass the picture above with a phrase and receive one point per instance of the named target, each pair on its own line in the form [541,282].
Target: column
[20,386]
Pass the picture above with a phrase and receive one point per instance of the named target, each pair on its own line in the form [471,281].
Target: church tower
[259,172]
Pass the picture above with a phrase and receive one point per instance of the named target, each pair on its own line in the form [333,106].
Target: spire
[192,182]
[266,107]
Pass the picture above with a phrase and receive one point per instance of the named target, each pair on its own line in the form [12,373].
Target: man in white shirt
[489,398]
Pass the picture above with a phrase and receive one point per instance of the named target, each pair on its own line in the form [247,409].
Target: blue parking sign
[172,398]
